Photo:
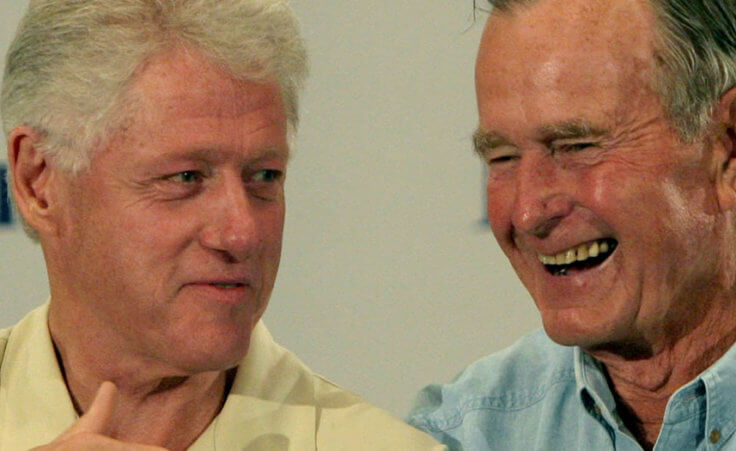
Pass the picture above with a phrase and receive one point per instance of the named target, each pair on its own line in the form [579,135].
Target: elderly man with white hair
[608,128]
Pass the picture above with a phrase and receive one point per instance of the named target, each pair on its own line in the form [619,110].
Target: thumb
[99,413]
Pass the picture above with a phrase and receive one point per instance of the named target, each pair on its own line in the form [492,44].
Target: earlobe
[31,176]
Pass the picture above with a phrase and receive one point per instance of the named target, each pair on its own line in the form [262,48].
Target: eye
[502,159]
[266,184]
[501,155]
[186,177]
[573,146]
[268,175]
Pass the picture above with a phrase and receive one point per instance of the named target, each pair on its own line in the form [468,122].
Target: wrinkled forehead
[559,39]
[622,27]
[560,60]
[185,78]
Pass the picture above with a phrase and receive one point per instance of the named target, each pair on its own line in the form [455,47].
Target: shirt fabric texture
[275,403]
[538,395]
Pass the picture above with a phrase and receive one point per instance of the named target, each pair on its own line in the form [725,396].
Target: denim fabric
[538,395]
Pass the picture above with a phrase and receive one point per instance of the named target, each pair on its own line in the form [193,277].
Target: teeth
[594,250]
[579,253]
[582,253]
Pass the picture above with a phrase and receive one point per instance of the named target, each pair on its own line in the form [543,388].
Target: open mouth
[582,257]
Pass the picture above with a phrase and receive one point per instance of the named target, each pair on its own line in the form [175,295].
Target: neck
[156,404]
[643,384]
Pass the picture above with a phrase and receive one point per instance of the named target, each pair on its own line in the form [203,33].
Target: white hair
[72,61]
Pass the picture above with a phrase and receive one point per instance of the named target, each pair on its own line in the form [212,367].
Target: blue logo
[6,217]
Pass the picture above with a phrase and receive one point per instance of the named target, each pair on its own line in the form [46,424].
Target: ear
[31,177]
[725,151]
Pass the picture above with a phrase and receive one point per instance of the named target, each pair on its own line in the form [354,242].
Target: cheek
[271,229]
[499,207]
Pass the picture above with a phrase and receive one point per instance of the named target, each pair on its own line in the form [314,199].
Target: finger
[99,413]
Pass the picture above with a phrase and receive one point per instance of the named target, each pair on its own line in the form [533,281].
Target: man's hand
[88,433]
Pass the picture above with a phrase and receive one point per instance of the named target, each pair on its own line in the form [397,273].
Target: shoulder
[34,321]
[341,419]
[501,390]
[347,421]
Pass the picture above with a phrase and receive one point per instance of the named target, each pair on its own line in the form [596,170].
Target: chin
[598,339]
[195,362]
[574,331]
[209,352]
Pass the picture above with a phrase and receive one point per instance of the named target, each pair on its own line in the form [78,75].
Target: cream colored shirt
[276,402]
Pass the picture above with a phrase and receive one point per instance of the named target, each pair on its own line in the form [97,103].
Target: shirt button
[715,435]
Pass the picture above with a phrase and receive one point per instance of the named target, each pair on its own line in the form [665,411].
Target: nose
[541,196]
[231,223]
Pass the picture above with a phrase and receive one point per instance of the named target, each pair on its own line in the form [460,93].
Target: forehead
[566,55]
[584,24]
[180,102]
[184,83]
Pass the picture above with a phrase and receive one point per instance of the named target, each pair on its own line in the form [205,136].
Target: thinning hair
[72,62]
[695,58]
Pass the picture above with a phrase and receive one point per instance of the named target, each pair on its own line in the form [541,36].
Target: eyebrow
[485,141]
[573,129]
[207,153]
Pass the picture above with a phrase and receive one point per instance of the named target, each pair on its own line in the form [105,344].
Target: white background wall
[389,280]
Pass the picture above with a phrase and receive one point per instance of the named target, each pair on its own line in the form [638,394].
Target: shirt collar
[720,392]
[30,361]
[272,400]
[717,385]
[592,387]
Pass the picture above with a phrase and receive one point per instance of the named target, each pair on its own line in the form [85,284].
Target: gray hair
[695,59]
[72,61]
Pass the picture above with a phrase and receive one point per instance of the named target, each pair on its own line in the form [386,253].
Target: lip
[224,290]
[556,249]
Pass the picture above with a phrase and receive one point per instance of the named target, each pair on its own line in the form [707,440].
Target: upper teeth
[579,253]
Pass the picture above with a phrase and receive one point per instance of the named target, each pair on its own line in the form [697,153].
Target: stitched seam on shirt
[724,423]
[490,403]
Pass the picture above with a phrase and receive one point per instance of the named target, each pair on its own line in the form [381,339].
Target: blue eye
[267,175]
[187,177]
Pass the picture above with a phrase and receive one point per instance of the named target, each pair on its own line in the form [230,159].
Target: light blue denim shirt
[538,395]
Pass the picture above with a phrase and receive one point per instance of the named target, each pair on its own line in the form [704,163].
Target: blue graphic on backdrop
[6,217]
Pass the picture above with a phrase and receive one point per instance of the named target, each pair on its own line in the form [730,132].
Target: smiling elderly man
[609,131]
[148,143]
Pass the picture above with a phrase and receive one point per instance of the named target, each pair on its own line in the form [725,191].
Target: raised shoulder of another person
[502,395]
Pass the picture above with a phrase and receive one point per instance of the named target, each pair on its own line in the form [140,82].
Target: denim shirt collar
[593,389]
[712,392]
[720,386]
